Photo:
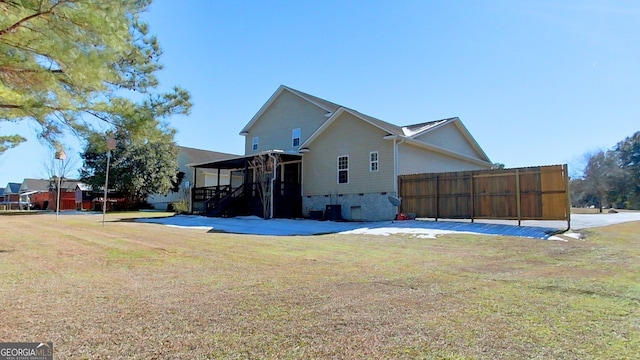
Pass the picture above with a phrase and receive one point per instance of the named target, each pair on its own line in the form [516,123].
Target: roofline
[275,151]
[443,123]
[465,132]
[276,94]
[333,118]
[195,165]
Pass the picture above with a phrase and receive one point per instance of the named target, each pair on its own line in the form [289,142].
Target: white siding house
[348,159]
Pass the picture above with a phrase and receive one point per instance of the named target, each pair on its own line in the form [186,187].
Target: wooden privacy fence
[531,193]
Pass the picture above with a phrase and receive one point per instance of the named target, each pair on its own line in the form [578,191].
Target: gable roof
[44,185]
[194,155]
[328,106]
[419,129]
[407,132]
[1,191]
[35,185]
[12,188]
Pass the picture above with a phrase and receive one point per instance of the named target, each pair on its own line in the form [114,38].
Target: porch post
[193,188]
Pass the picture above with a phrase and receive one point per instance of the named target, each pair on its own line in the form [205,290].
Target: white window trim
[339,169]
[254,143]
[376,161]
[294,137]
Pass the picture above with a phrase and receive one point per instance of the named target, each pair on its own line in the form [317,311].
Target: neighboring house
[11,197]
[41,194]
[87,199]
[335,159]
[206,177]
[84,197]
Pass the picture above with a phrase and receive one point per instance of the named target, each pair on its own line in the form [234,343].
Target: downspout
[396,161]
[273,180]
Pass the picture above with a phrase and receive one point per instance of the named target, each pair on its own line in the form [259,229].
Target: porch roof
[239,162]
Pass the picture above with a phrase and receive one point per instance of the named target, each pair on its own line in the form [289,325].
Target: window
[343,169]
[373,161]
[254,145]
[295,137]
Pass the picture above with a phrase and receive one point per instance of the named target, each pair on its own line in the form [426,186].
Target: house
[84,197]
[42,194]
[36,193]
[11,197]
[334,160]
[88,199]
[187,176]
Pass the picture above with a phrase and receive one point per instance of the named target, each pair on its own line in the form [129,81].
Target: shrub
[181,206]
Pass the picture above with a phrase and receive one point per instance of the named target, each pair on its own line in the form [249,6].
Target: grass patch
[140,291]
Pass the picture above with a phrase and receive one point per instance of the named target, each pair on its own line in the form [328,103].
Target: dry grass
[145,291]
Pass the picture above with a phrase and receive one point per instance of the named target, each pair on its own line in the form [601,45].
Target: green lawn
[144,291]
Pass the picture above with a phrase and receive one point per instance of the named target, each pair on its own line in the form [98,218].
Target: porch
[237,191]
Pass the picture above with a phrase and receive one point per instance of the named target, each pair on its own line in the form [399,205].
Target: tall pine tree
[69,65]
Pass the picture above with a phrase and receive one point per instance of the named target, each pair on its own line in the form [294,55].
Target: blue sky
[535,82]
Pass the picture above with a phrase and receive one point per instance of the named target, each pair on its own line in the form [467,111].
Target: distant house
[88,199]
[11,197]
[84,197]
[41,194]
[188,176]
[333,159]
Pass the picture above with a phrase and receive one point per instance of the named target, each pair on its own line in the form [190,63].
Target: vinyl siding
[351,136]
[413,160]
[274,127]
[449,137]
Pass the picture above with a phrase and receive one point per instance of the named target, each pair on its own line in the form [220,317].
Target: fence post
[518,203]
[565,168]
[473,204]
[437,198]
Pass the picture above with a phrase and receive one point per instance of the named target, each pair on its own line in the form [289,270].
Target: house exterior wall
[449,137]
[274,126]
[364,197]
[354,207]
[354,138]
[47,200]
[414,160]
[11,202]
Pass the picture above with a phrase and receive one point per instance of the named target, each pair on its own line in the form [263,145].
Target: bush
[180,207]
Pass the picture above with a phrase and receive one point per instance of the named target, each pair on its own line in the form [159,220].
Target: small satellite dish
[394,200]
[186,184]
